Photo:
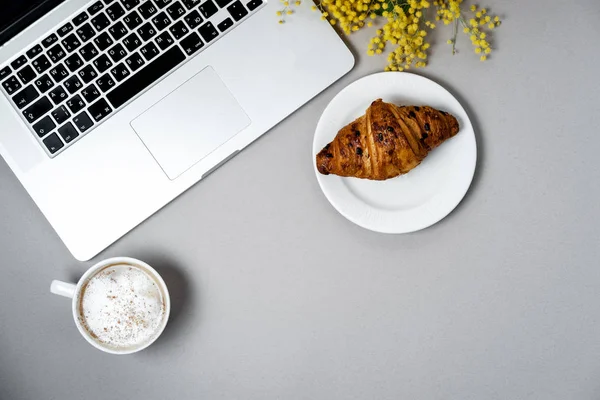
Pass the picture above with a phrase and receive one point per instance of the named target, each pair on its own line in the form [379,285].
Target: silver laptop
[109,109]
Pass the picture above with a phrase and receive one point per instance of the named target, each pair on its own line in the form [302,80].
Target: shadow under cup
[104,270]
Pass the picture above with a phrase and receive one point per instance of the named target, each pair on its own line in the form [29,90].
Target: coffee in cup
[120,305]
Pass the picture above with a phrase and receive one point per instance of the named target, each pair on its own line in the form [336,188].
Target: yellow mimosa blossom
[404,24]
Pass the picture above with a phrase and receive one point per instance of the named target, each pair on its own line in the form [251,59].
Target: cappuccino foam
[122,306]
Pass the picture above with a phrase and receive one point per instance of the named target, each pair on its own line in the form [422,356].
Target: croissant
[387,141]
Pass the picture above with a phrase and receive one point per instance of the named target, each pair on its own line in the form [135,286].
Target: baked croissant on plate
[387,141]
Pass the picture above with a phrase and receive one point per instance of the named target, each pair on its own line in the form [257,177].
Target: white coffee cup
[75,292]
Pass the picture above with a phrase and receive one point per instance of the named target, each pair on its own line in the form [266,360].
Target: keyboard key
[63,30]
[135,61]
[87,74]
[34,51]
[120,72]
[164,40]
[225,24]
[107,2]
[58,95]
[208,9]
[223,3]
[75,103]
[68,132]
[179,30]
[132,42]
[61,114]
[53,143]
[59,73]
[44,126]
[130,4]
[73,62]
[99,110]
[105,82]
[189,4]
[86,32]
[146,76]
[80,19]
[50,40]
[26,74]
[102,63]
[95,8]
[41,64]
[71,42]
[149,51]
[83,122]
[19,62]
[161,21]
[103,41]
[192,43]
[100,22]
[73,84]
[208,32]
[56,53]
[146,31]
[4,72]
[118,30]
[117,52]
[237,10]
[162,3]
[11,85]
[133,20]
[115,11]
[147,9]
[37,109]
[43,83]
[176,10]
[25,96]
[88,51]
[193,19]
[90,93]
[253,4]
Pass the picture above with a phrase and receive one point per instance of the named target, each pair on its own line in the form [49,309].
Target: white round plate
[412,201]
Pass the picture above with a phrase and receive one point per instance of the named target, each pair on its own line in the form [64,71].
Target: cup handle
[63,288]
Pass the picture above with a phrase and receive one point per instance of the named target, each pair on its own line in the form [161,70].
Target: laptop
[109,109]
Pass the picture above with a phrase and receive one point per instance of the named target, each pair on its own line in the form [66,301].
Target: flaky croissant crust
[385,142]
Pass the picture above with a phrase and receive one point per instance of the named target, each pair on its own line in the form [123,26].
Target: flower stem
[454,36]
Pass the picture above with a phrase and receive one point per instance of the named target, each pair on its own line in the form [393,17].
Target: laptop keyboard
[106,55]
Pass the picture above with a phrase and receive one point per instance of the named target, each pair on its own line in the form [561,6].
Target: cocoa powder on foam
[121,306]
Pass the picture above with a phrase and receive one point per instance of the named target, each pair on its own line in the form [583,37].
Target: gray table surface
[277,296]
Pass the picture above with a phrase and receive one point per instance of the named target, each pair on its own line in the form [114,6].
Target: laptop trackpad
[191,122]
